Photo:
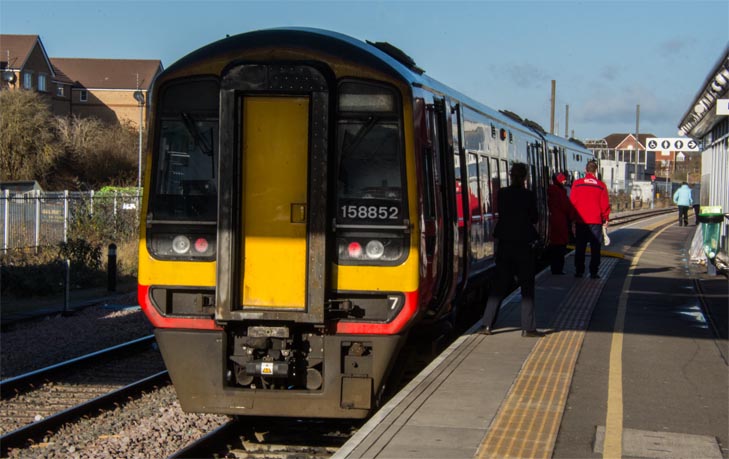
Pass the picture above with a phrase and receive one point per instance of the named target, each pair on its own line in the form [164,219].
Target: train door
[272,210]
[440,212]
[274,149]
[461,201]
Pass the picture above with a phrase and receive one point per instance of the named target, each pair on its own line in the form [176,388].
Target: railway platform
[635,366]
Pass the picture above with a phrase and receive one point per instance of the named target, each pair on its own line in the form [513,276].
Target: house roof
[109,73]
[60,76]
[16,49]
[614,140]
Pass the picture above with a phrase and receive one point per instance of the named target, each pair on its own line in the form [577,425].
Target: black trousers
[683,215]
[513,259]
[556,255]
[587,234]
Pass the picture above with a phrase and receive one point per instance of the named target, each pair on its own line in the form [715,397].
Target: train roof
[571,143]
[379,55]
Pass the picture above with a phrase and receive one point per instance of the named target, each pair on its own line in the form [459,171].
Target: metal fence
[36,219]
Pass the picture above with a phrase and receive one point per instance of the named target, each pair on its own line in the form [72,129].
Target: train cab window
[370,176]
[186,153]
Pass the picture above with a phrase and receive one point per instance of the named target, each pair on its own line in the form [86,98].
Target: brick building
[102,88]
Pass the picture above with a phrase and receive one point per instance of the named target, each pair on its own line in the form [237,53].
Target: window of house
[84,96]
[59,90]
[27,80]
[42,83]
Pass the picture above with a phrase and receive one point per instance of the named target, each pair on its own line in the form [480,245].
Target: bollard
[111,268]
[67,287]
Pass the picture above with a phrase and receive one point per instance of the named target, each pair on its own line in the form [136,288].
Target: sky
[606,57]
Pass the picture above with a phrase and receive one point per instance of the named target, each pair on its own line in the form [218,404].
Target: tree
[28,147]
[102,154]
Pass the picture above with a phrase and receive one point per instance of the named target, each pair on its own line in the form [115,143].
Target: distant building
[20,187]
[618,154]
[25,65]
[102,88]
[105,88]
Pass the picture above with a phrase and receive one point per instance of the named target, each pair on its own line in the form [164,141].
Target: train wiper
[360,135]
[201,142]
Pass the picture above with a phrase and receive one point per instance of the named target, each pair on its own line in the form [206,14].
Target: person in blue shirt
[682,198]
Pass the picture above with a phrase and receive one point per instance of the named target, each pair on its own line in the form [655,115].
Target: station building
[707,121]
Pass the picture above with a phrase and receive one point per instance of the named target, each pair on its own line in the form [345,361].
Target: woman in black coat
[515,235]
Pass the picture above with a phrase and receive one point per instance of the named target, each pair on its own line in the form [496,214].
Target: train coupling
[270,369]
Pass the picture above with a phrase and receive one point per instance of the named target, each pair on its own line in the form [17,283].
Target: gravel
[153,426]
[30,345]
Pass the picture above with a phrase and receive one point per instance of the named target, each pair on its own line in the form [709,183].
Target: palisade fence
[38,219]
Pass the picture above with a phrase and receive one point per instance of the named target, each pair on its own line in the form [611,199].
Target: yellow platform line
[532,411]
[613,446]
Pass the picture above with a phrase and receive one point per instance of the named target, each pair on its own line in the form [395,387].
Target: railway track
[42,401]
[627,217]
[264,438]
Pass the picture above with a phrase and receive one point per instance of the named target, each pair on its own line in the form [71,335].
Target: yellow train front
[278,259]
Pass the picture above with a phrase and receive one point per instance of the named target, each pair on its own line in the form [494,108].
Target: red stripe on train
[160,321]
[390,328]
[351,328]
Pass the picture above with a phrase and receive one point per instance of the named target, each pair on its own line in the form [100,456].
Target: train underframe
[274,370]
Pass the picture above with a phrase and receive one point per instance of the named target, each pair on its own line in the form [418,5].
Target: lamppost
[637,153]
[139,96]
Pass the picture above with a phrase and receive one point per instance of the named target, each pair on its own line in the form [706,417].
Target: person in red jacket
[589,196]
[561,216]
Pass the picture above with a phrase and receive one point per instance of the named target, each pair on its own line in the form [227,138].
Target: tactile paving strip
[528,421]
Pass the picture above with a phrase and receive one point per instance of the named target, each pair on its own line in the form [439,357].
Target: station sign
[722,107]
[671,144]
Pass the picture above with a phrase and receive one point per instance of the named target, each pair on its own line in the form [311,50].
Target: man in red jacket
[589,196]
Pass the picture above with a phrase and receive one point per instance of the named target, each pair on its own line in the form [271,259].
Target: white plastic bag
[605,237]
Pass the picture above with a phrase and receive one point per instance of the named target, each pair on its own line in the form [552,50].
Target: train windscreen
[371,209]
[184,182]
[370,178]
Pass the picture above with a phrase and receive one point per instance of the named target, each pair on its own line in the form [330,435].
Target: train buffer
[635,366]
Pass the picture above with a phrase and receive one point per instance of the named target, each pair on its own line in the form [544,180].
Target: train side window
[474,194]
[504,173]
[494,183]
[485,185]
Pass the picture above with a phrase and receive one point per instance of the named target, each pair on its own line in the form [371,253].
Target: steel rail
[21,437]
[628,217]
[12,386]
[208,443]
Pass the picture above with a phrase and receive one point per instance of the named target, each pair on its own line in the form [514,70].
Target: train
[310,200]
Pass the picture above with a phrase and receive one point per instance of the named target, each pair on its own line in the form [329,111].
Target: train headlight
[375,249]
[181,244]
[354,249]
[370,250]
[201,245]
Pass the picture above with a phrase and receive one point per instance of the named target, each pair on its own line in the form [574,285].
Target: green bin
[710,229]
